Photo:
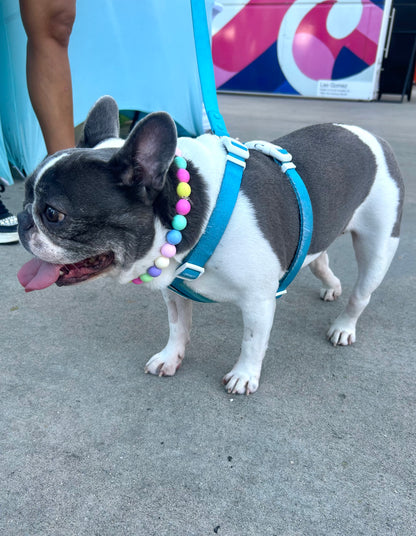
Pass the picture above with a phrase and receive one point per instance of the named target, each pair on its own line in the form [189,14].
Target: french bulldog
[105,208]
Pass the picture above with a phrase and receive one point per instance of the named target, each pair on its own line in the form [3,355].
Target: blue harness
[193,265]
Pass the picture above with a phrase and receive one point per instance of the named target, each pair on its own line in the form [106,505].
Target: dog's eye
[53,215]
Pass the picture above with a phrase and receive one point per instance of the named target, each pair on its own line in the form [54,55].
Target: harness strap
[284,159]
[193,264]
[306,227]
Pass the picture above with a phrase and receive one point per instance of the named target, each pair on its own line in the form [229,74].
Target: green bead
[179,222]
[180,162]
[146,278]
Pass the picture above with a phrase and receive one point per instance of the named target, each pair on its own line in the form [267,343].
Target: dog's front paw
[162,364]
[240,381]
[341,333]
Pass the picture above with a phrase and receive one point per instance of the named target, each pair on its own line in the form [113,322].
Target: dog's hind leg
[375,228]
[374,255]
[331,284]
[167,362]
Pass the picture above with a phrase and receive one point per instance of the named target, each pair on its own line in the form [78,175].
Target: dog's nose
[25,220]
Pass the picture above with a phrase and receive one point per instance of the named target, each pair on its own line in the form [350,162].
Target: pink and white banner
[328,48]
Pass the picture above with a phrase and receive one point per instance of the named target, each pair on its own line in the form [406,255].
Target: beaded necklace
[179,222]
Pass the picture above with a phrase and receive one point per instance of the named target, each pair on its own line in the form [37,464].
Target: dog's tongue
[37,274]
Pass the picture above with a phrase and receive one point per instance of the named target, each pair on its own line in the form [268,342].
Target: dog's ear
[145,158]
[102,123]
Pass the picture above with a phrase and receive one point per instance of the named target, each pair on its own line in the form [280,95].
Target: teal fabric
[23,142]
[140,52]
[4,165]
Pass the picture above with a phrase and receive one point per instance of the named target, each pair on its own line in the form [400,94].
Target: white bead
[162,262]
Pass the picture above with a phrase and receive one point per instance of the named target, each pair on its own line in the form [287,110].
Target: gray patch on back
[338,170]
[274,204]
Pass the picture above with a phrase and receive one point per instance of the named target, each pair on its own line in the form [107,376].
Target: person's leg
[48,25]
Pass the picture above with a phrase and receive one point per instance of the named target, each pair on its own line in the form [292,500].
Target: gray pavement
[90,445]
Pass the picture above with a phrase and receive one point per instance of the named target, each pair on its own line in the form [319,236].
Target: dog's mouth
[37,274]
[70,274]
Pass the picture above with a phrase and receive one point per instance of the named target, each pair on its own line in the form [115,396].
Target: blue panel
[379,3]
[263,74]
[286,89]
[347,64]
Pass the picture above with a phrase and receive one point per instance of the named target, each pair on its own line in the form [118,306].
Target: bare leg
[48,25]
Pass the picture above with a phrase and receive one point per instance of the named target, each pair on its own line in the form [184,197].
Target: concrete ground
[91,446]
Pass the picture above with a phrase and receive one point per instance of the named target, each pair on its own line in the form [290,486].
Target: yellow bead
[183,189]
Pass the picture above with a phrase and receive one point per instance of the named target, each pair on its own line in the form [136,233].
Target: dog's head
[90,210]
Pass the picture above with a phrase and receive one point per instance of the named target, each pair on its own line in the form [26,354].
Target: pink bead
[137,281]
[168,250]
[183,207]
[182,175]
[178,152]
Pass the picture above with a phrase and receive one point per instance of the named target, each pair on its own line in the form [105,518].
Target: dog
[105,208]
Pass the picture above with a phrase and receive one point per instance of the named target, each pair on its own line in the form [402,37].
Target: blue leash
[206,67]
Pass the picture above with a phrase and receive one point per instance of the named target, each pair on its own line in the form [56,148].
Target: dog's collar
[179,222]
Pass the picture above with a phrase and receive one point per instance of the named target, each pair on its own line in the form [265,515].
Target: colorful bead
[183,207]
[162,262]
[182,175]
[154,271]
[183,189]
[180,162]
[168,250]
[174,237]
[179,222]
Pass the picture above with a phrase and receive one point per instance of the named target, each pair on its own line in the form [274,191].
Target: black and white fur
[120,197]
